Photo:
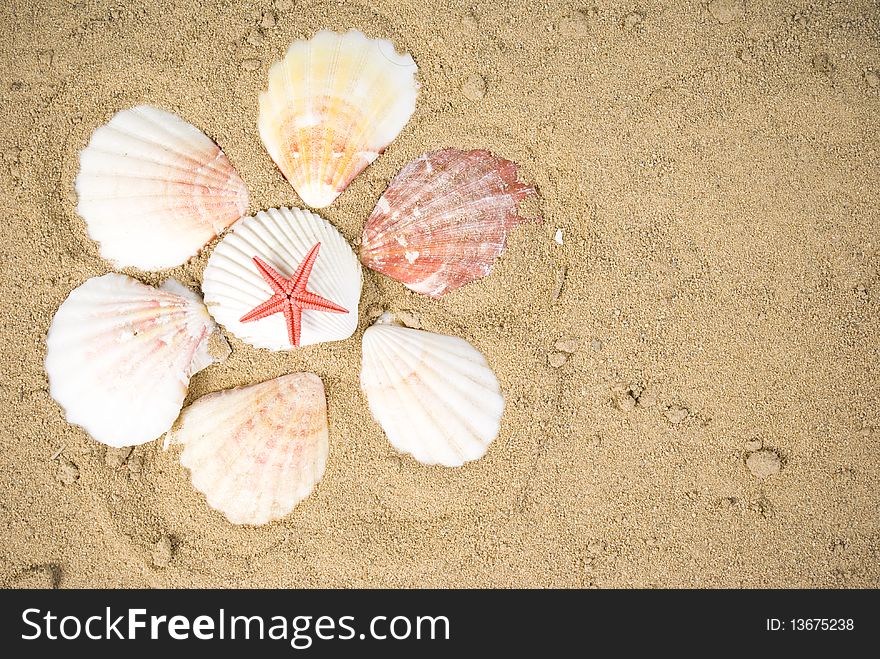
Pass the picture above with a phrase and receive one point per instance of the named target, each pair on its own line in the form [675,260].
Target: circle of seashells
[154,190]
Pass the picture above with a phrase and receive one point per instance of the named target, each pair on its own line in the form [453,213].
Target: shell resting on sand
[434,395]
[154,189]
[119,356]
[334,103]
[444,219]
[282,237]
[256,451]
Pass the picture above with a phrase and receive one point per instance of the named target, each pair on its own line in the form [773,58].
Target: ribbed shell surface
[256,451]
[154,189]
[282,237]
[119,356]
[334,103]
[434,395]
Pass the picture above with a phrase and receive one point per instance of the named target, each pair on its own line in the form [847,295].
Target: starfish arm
[271,276]
[293,316]
[271,306]
[314,302]
[301,276]
[291,296]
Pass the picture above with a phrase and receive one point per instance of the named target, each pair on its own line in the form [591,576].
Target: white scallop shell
[119,356]
[256,451]
[282,236]
[434,395]
[334,103]
[154,189]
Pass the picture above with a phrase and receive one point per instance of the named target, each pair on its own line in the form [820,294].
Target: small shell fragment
[763,463]
[567,345]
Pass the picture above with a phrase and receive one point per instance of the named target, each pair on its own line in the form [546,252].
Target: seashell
[282,238]
[434,395]
[154,190]
[119,356]
[334,103]
[256,451]
[444,219]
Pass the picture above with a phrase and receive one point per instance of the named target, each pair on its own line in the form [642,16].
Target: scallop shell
[444,219]
[434,395]
[256,451]
[154,190]
[120,355]
[282,237]
[334,103]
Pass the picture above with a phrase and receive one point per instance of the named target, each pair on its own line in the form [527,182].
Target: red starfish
[291,296]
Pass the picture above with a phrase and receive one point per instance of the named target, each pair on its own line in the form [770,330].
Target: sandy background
[715,174]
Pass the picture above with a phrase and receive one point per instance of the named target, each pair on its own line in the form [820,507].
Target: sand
[691,376]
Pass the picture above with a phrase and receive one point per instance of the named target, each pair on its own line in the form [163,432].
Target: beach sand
[714,171]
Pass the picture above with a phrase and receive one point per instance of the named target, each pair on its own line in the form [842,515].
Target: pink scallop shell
[444,219]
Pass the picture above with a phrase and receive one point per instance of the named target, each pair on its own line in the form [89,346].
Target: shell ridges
[256,451]
[119,356]
[154,189]
[434,395]
[333,104]
[444,219]
[282,237]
